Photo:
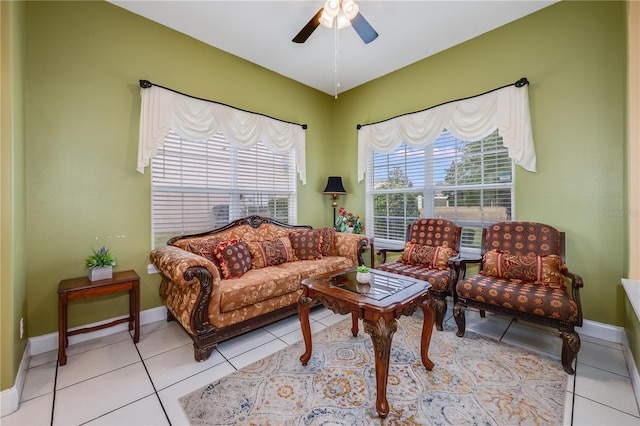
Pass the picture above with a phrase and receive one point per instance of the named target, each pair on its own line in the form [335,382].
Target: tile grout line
[155,391]
[55,385]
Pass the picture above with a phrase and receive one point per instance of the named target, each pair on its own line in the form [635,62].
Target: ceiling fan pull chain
[336,75]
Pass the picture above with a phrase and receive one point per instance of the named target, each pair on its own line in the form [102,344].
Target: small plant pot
[363,277]
[104,273]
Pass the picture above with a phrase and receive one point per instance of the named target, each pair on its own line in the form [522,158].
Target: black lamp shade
[334,186]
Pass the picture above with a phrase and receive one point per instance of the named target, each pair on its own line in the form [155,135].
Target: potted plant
[100,264]
[363,276]
[348,222]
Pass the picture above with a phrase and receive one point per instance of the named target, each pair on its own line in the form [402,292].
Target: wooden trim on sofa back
[253,221]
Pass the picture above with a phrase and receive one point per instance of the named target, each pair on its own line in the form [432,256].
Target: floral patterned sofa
[245,275]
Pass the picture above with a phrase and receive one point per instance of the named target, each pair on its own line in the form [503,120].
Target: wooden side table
[83,288]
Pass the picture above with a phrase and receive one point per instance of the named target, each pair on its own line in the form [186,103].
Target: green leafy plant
[346,220]
[99,259]
[362,268]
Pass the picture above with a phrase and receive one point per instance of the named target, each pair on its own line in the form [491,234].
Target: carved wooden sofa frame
[204,335]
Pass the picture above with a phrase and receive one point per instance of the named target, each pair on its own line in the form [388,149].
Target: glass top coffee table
[387,297]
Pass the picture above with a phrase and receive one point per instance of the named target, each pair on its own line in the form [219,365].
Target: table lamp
[334,188]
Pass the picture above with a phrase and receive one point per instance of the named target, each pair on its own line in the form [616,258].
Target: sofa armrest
[189,283]
[351,246]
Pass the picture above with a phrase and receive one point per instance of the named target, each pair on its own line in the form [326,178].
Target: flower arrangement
[100,259]
[346,220]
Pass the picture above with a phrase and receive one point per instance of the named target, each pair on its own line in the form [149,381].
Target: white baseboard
[49,342]
[10,398]
[602,331]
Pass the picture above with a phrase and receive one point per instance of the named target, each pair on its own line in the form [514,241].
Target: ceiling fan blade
[363,28]
[308,29]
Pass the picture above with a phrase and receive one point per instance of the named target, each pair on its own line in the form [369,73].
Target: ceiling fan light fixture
[343,21]
[350,9]
[332,8]
[326,20]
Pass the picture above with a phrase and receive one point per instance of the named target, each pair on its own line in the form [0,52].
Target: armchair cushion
[546,301]
[433,257]
[306,244]
[234,258]
[545,270]
[270,253]
[439,279]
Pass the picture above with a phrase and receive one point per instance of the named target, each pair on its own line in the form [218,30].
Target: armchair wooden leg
[458,315]
[441,310]
[570,349]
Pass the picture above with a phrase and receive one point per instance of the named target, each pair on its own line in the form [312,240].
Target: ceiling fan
[341,13]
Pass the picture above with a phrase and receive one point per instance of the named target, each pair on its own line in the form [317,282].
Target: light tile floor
[111,381]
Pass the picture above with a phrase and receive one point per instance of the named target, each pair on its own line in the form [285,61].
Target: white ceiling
[261,32]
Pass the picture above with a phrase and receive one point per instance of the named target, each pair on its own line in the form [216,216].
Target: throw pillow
[432,257]
[234,258]
[326,247]
[205,248]
[544,270]
[270,253]
[306,244]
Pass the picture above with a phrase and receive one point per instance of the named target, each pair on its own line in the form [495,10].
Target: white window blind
[199,186]
[470,183]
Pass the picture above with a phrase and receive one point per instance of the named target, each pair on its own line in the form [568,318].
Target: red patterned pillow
[306,244]
[544,270]
[234,258]
[327,247]
[270,253]
[433,257]
[205,248]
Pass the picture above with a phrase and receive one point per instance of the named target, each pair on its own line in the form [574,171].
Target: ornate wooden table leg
[354,324]
[428,309]
[304,304]
[381,334]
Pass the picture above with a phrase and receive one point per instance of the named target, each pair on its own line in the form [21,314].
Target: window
[470,183]
[199,186]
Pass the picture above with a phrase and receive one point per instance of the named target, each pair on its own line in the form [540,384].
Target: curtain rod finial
[522,82]
[145,84]
[358,126]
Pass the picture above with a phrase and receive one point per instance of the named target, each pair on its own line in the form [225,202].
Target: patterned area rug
[475,381]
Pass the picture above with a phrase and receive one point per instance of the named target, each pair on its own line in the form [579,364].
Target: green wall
[13,293]
[574,55]
[84,60]
[83,63]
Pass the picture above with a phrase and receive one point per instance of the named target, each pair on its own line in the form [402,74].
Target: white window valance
[198,120]
[472,119]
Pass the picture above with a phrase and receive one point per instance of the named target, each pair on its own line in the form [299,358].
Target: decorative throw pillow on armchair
[433,257]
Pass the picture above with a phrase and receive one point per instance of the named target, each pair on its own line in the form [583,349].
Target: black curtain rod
[522,82]
[145,84]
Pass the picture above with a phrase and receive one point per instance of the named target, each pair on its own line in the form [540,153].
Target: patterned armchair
[522,274]
[427,254]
